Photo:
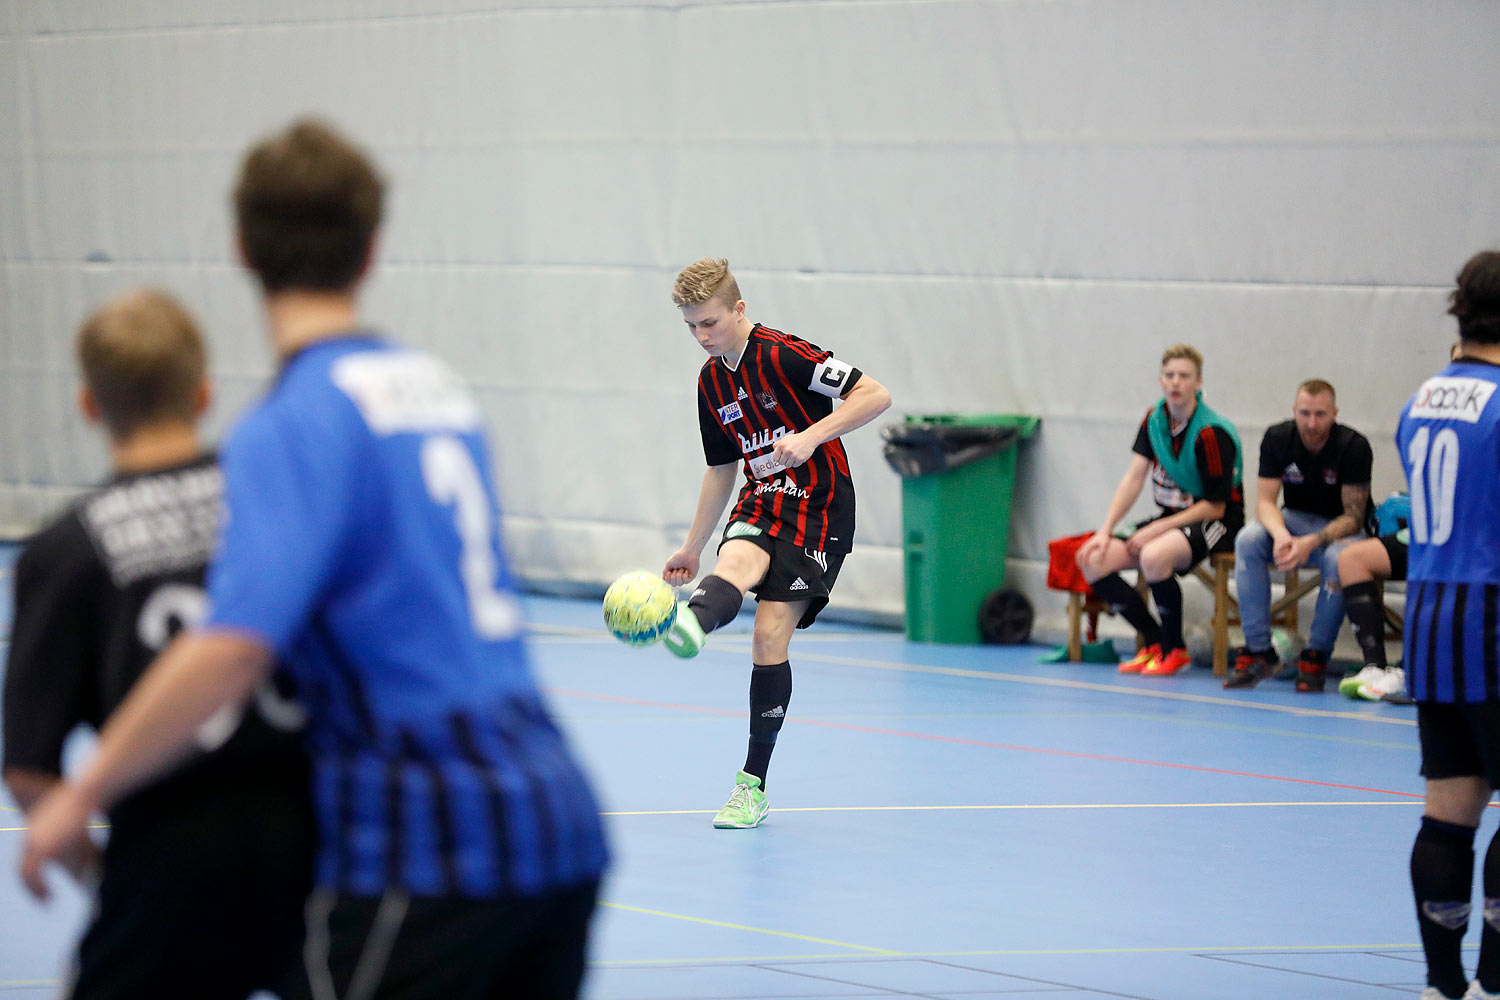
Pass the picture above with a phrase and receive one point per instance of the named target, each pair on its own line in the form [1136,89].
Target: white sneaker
[1432,993]
[1391,681]
[1476,992]
[1349,686]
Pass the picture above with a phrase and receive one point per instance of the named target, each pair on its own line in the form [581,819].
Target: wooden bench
[1080,605]
[1216,574]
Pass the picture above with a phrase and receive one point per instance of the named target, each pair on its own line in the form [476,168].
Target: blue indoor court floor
[959,822]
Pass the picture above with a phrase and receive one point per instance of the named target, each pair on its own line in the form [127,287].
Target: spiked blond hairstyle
[1187,351]
[1318,387]
[705,279]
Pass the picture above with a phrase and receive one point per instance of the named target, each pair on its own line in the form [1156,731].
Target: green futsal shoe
[686,637]
[746,807]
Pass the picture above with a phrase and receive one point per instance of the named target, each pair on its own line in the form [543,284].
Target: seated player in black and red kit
[206,870]
[765,404]
[1193,457]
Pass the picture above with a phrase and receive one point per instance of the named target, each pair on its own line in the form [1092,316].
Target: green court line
[745,927]
[1023,952]
[1407,744]
[729,645]
[1031,806]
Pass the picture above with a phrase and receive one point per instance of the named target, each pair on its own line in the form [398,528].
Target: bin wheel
[1005,617]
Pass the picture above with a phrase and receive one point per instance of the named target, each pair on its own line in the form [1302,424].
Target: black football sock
[770,694]
[1442,879]
[1123,599]
[1362,605]
[1168,597]
[716,602]
[1489,936]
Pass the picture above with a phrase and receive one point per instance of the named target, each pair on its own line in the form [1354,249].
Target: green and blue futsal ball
[639,607]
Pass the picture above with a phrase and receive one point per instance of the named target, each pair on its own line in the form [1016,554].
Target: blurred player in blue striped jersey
[1449,442]
[461,848]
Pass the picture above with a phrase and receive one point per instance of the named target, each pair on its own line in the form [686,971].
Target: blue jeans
[1253,564]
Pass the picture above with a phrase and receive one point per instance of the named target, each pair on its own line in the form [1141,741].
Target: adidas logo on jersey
[798,584]
[779,712]
[743,393]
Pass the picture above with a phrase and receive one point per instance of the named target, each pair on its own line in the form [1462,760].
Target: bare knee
[742,563]
[770,643]
[1159,561]
[1355,566]
[1460,801]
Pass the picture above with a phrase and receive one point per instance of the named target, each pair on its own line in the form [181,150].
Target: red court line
[984,743]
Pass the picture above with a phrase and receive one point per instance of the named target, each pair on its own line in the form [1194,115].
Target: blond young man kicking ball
[765,407]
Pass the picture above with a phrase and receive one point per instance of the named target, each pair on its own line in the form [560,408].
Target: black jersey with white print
[781,385]
[98,593]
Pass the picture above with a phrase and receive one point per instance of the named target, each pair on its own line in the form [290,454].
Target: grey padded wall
[1006,206]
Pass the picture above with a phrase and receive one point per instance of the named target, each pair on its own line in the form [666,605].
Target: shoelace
[740,797]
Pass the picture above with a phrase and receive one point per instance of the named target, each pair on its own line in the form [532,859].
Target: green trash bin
[958,474]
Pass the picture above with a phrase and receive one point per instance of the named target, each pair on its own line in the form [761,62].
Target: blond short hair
[143,359]
[1187,351]
[1318,387]
[705,279]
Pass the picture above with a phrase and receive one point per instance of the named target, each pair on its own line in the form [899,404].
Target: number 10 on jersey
[1434,473]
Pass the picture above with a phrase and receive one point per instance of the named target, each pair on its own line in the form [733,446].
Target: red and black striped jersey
[782,385]
[1214,452]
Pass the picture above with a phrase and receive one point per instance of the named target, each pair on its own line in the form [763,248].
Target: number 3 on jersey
[452,478]
[1434,473]
[173,607]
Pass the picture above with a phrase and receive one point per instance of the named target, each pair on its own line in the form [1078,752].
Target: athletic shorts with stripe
[447,947]
[795,573]
[1205,538]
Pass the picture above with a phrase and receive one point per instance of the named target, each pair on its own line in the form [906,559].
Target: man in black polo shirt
[1324,468]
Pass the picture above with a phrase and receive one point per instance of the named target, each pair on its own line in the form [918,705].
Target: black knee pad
[716,602]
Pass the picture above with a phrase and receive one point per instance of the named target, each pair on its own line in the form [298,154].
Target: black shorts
[449,947]
[201,892]
[1205,538]
[1395,551]
[1460,741]
[795,573]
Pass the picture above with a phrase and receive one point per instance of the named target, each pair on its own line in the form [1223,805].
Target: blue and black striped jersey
[1449,441]
[362,546]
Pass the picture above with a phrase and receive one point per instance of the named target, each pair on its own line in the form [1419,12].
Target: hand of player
[1296,553]
[1281,550]
[681,568]
[58,831]
[793,449]
[1092,551]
